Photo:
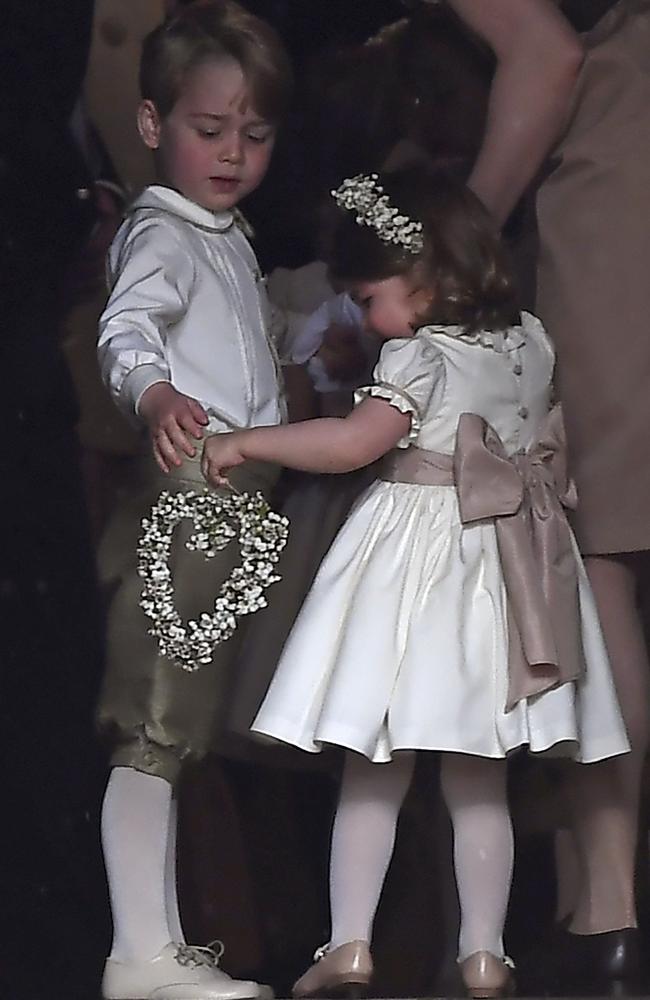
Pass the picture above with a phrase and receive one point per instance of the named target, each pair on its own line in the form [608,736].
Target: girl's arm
[538,59]
[330,444]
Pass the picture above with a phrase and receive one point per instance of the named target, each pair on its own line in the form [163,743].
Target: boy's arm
[329,444]
[154,278]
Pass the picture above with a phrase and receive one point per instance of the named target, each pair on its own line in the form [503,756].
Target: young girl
[452,612]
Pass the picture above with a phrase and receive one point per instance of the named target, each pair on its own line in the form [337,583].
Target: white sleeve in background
[286,326]
[298,322]
[300,289]
[340,310]
[309,337]
[294,294]
[153,274]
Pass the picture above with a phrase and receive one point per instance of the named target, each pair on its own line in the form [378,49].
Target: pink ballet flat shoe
[486,977]
[344,972]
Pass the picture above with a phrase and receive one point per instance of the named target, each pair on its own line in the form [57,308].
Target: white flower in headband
[364,195]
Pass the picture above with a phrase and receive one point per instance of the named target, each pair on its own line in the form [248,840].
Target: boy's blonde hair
[216,29]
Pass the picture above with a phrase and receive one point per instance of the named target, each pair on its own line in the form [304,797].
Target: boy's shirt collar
[168,200]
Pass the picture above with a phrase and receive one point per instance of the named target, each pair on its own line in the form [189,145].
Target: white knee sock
[135,834]
[475,792]
[363,837]
[171,878]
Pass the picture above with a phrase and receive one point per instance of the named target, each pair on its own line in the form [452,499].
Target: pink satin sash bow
[525,495]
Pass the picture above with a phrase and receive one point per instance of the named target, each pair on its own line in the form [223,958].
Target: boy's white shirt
[187,305]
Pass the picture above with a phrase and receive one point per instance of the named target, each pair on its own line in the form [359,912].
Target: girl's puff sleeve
[152,278]
[406,376]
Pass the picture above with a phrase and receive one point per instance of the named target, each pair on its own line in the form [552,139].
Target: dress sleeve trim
[398,398]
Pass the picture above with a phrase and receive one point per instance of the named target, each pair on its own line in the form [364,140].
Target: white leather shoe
[179,972]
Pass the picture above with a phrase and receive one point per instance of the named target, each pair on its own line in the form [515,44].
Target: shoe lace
[321,952]
[193,955]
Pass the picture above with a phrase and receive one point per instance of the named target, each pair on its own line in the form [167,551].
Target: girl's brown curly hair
[464,262]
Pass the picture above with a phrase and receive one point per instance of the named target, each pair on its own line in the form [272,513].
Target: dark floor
[253,873]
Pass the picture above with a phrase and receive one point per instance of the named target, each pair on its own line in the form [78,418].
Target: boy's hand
[342,354]
[221,452]
[171,418]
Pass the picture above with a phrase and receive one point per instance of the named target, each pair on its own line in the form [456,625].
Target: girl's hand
[173,419]
[221,452]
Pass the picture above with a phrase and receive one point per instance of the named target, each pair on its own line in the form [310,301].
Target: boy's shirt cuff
[138,381]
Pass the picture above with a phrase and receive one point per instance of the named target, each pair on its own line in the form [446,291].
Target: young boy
[183,345]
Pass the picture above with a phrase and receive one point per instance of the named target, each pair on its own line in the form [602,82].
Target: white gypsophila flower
[365,196]
[262,536]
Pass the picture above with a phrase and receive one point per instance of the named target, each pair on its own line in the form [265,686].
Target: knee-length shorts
[157,714]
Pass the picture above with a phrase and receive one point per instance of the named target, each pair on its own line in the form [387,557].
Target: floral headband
[364,195]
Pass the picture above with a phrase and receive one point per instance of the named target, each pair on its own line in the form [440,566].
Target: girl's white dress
[402,642]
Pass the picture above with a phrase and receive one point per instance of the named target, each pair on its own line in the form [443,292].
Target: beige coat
[111,89]
[594,281]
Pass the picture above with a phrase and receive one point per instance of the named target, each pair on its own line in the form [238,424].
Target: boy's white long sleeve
[150,294]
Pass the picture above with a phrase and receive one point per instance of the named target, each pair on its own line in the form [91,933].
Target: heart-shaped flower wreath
[262,536]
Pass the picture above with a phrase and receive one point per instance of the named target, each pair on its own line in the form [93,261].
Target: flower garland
[262,536]
[365,196]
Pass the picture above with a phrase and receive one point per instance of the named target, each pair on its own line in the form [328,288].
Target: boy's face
[213,147]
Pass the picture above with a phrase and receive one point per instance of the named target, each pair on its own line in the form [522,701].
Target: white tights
[474,789]
[139,840]
[364,835]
